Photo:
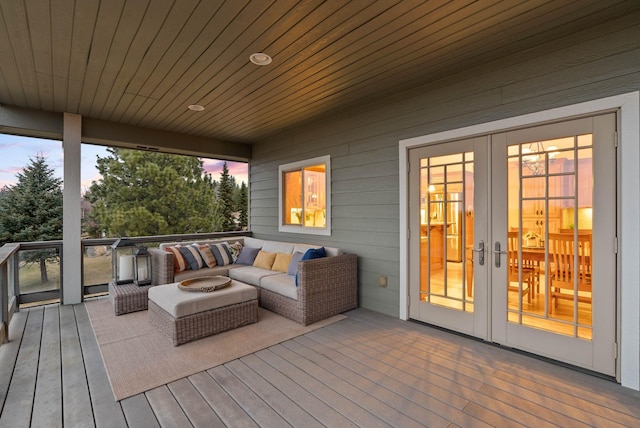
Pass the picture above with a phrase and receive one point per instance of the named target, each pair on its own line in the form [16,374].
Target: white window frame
[309,230]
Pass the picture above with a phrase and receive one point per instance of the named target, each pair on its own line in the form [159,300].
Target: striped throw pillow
[222,253]
[179,263]
[192,256]
[207,255]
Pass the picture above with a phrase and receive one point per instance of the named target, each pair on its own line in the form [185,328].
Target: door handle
[497,253]
[480,251]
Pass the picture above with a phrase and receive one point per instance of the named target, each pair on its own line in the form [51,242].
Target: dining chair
[570,270]
[528,262]
[515,266]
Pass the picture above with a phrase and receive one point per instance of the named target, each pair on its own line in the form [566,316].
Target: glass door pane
[446,230]
[550,208]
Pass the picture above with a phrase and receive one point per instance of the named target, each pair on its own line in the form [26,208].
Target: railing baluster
[4,302]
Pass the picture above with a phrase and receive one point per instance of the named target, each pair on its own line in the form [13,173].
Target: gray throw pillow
[247,256]
[293,264]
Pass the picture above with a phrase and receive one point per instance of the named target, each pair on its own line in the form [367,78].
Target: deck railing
[95,267]
[7,296]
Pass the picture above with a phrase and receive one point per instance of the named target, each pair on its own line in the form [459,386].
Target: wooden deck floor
[368,370]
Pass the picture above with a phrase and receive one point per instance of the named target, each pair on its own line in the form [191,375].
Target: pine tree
[31,210]
[144,193]
[242,206]
[225,200]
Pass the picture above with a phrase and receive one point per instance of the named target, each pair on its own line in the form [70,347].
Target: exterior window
[305,193]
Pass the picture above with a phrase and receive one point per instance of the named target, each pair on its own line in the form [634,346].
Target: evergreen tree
[31,210]
[144,193]
[242,206]
[226,200]
[4,193]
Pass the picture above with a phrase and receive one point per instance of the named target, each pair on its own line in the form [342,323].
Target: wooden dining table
[535,254]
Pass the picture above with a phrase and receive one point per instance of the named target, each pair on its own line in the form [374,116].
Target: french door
[513,239]
[448,188]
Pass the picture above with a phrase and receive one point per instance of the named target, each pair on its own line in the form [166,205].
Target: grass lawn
[97,270]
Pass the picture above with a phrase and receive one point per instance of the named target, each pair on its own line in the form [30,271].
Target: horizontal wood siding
[363,141]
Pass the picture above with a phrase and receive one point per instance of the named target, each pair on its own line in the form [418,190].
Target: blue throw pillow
[314,253]
[247,256]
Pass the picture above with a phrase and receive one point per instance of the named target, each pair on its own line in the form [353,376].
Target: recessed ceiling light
[260,58]
[195,107]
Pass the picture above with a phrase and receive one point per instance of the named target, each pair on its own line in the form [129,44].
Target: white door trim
[629,205]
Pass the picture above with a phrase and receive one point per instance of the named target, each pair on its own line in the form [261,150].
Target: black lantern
[141,266]
[122,260]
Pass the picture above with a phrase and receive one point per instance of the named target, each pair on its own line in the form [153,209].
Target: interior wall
[363,141]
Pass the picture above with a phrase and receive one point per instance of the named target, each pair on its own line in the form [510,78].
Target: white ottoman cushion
[180,303]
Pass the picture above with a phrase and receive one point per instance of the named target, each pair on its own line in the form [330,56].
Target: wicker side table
[129,297]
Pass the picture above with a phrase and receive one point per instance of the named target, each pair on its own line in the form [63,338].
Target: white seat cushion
[180,303]
[253,242]
[250,274]
[277,247]
[283,284]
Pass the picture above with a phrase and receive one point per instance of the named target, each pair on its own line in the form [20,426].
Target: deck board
[384,385]
[564,392]
[18,405]
[250,402]
[287,408]
[334,399]
[306,400]
[414,357]
[380,402]
[224,405]
[76,403]
[367,370]
[166,408]
[432,379]
[390,370]
[9,354]
[194,406]
[138,413]
[47,405]
[107,412]
[411,360]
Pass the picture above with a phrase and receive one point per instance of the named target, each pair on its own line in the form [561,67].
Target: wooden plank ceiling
[141,62]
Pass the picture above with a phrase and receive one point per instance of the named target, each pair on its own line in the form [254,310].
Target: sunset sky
[16,151]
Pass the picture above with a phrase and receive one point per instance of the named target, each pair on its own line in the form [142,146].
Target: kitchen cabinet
[432,246]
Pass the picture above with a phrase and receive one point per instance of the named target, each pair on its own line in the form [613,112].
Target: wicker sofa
[325,286]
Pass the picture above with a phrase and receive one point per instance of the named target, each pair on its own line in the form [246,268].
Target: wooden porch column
[71,226]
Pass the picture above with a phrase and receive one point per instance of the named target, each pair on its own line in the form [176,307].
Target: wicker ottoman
[127,298]
[183,316]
